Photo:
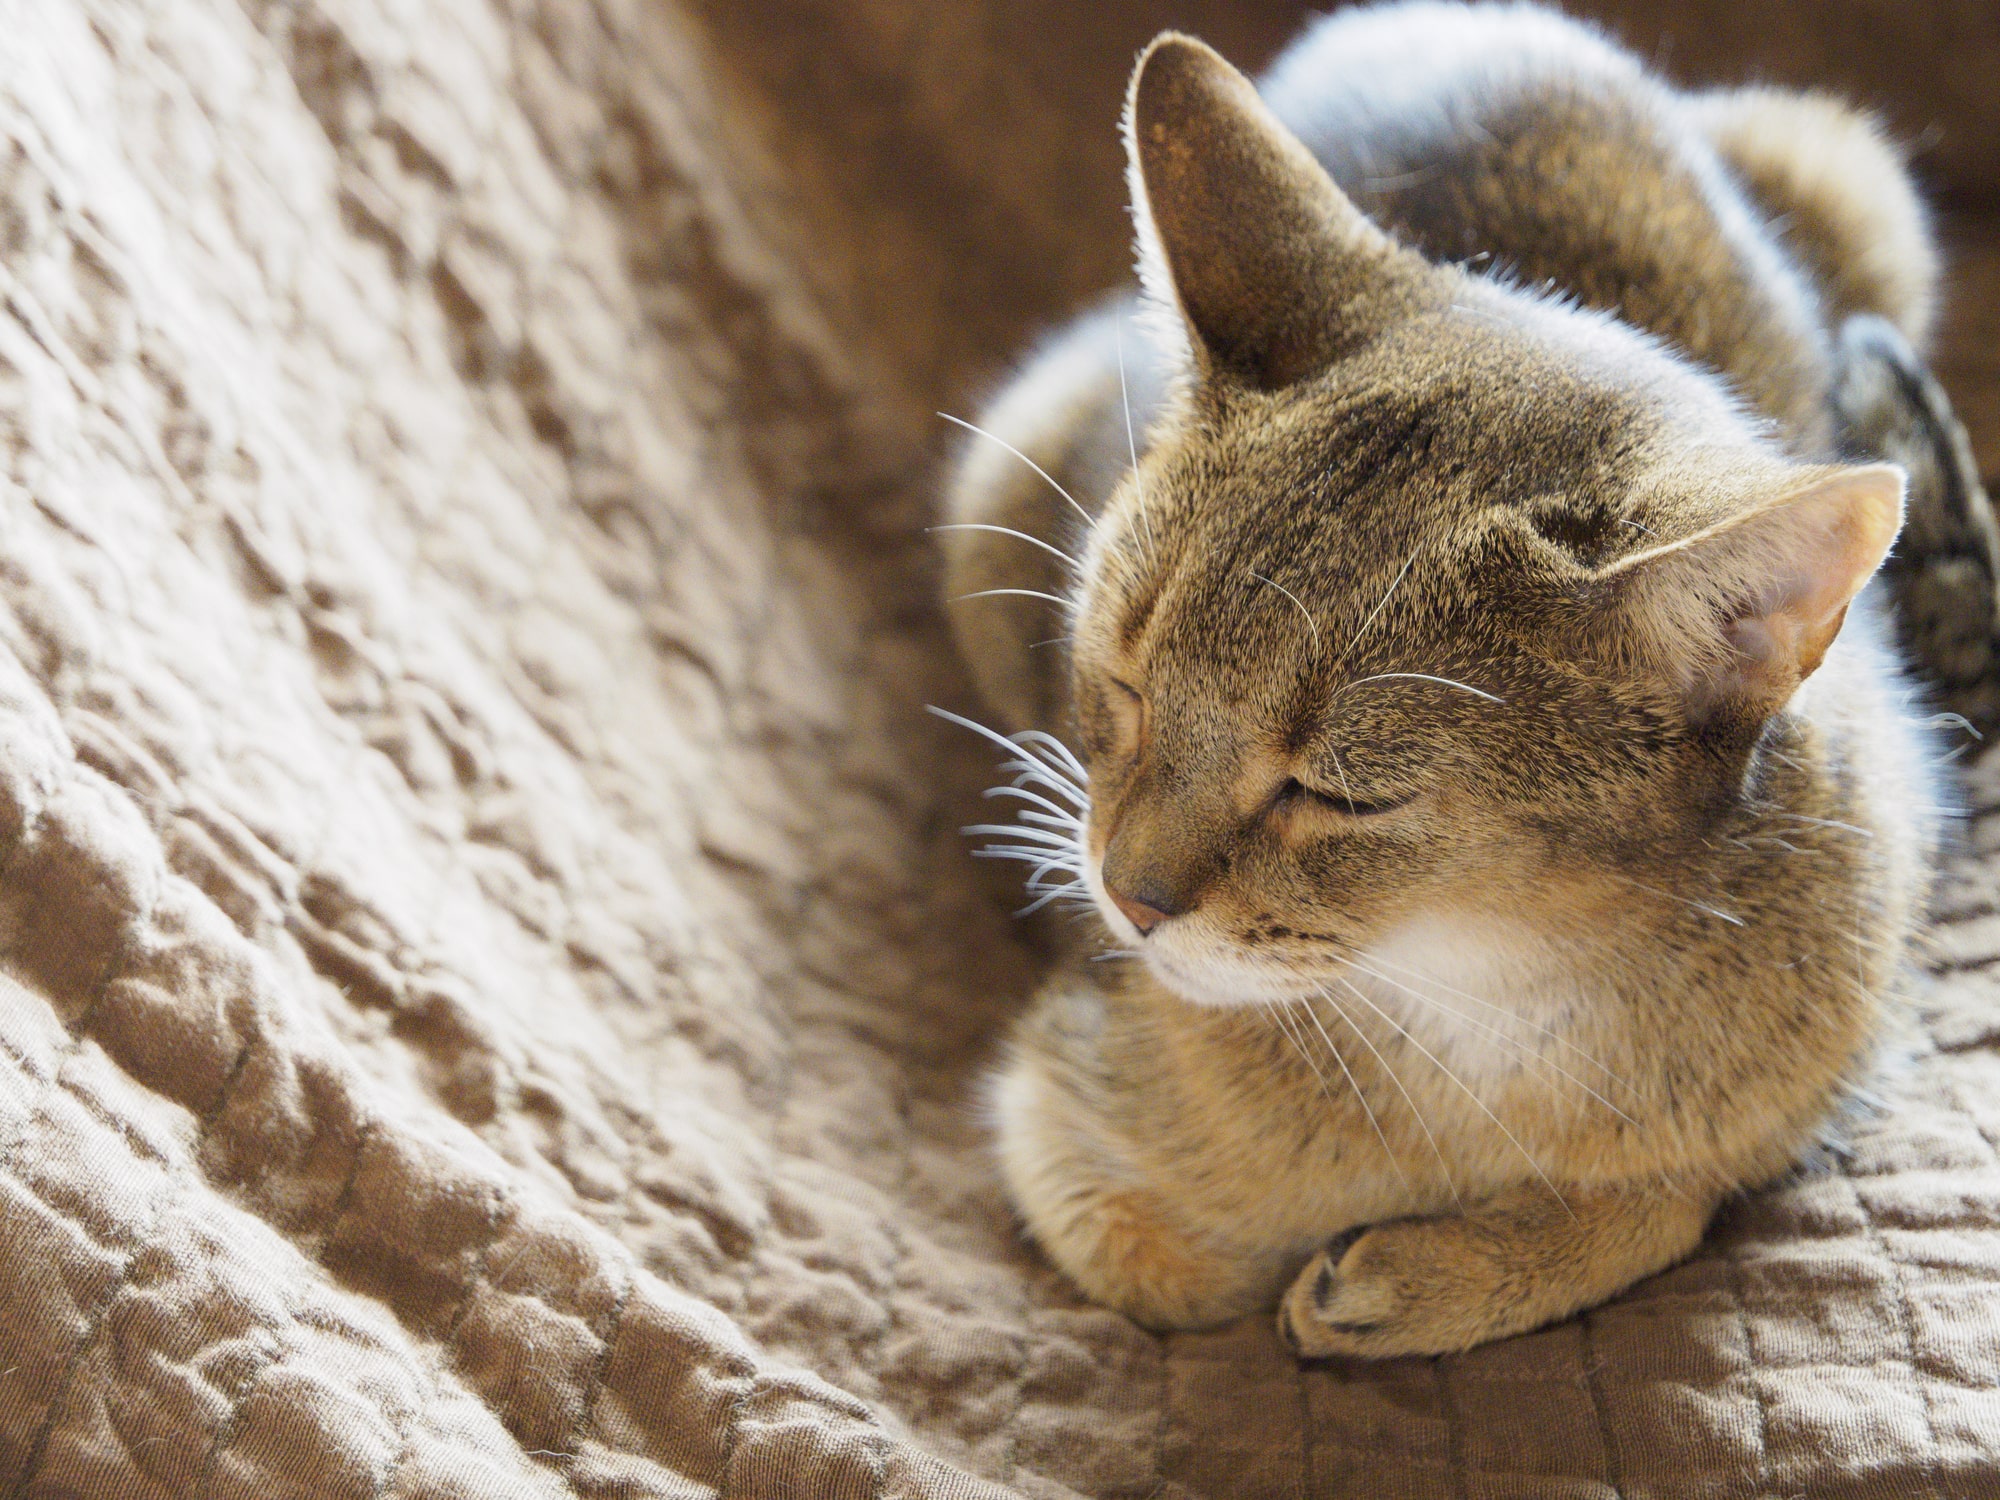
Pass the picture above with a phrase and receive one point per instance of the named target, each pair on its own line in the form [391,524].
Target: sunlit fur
[1453,657]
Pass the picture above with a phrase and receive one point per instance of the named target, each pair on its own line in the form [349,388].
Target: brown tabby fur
[1520,849]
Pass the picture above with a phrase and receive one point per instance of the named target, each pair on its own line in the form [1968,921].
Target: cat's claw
[1341,1303]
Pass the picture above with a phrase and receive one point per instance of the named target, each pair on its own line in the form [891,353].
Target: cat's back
[1509,137]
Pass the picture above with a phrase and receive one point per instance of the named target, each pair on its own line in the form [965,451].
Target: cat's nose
[1145,910]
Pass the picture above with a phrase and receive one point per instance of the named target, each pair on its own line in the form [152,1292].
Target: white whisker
[1041,773]
[1416,1114]
[1276,1015]
[1018,593]
[1379,605]
[1025,763]
[1041,901]
[1042,863]
[1061,751]
[975,726]
[1063,850]
[1046,839]
[1131,444]
[1015,830]
[1035,880]
[1427,677]
[1953,721]
[1032,541]
[1061,788]
[1055,864]
[1310,621]
[1027,758]
[1088,519]
[1035,797]
[1022,757]
[1653,890]
[1822,822]
[1394,1165]
[1439,1064]
[1497,1034]
[1555,1036]
[1062,821]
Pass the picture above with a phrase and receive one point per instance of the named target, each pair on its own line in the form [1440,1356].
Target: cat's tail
[1840,194]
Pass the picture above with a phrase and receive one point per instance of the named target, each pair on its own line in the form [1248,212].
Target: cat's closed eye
[1294,793]
[1112,720]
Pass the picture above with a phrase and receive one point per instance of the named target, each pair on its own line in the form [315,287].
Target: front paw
[1516,1262]
[1329,1308]
[1400,1288]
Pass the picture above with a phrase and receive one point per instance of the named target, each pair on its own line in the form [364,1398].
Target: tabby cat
[1502,804]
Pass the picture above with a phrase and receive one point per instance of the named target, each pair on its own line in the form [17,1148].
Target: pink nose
[1138,913]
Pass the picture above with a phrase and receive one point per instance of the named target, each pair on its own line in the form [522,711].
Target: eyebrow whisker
[1022,593]
[992,437]
[1394,584]
[1341,771]
[1427,677]
[1310,621]
[1032,541]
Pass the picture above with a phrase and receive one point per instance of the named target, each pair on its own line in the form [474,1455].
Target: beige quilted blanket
[493,997]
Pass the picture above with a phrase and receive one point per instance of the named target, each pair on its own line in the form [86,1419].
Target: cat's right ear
[1246,246]
[1742,612]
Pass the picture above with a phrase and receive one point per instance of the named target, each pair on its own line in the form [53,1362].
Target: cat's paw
[1516,1262]
[1406,1287]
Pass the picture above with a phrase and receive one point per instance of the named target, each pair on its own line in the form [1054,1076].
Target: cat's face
[1342,661]
[1433,609]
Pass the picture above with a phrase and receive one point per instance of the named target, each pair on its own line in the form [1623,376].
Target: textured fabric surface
[491,997]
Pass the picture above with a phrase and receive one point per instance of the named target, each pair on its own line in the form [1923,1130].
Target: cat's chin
[1220,984]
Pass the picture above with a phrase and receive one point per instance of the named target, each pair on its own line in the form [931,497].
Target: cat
[1500,806]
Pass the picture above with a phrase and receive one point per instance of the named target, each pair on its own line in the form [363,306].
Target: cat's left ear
[1742,612]
[1257,268]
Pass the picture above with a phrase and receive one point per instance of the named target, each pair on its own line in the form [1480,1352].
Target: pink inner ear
[1820,582]
[1767,657]
[1773,584]
[1756,641]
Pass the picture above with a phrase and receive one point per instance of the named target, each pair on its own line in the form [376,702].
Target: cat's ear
[1246,246]
[1743,611]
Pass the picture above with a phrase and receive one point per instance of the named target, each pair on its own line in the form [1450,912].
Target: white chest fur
[1485,1000]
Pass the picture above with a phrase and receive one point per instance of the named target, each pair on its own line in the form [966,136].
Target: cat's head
[1433,602]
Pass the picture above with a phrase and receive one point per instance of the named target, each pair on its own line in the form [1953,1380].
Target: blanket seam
[1593,1388]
